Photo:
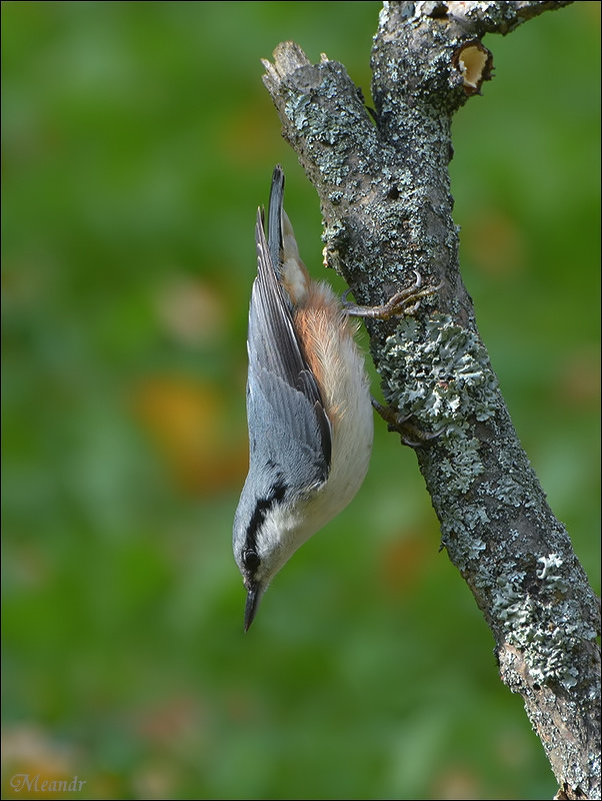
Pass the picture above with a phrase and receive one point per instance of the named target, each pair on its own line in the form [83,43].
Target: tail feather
[275,219]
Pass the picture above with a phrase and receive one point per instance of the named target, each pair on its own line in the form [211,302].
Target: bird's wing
[284,404]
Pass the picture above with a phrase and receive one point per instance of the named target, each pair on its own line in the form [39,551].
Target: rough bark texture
[385,195]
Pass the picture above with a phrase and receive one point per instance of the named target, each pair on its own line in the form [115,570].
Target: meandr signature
[25,781]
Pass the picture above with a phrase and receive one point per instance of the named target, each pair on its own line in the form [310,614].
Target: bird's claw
[411,435]
[404,302]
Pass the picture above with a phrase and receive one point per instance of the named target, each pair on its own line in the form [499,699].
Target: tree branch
[387,208]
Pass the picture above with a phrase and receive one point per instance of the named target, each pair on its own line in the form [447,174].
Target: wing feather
[284,399]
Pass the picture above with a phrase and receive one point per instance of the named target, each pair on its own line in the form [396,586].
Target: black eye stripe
[262,507]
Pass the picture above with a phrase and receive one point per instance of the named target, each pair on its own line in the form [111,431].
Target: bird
[309,409]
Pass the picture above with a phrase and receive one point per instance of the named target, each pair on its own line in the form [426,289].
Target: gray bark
[386,202]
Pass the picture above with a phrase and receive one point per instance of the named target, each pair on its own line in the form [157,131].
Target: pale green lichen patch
[541,622]
[440,375]
[549,565]
[509,492]
[464,468]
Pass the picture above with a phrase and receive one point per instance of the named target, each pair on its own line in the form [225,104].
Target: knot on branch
[475,64]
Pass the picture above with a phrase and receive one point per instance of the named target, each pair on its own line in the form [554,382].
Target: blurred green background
[138,141]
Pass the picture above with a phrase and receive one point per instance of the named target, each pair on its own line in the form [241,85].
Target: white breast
[339,369]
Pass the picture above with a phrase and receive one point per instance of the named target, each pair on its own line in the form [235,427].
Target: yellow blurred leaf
[188,423]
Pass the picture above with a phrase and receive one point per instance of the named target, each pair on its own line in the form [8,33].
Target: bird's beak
[254,594]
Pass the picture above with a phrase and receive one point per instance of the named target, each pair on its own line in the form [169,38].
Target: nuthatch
[308,406]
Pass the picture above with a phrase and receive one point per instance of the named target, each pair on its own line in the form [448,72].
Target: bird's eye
[250,559]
